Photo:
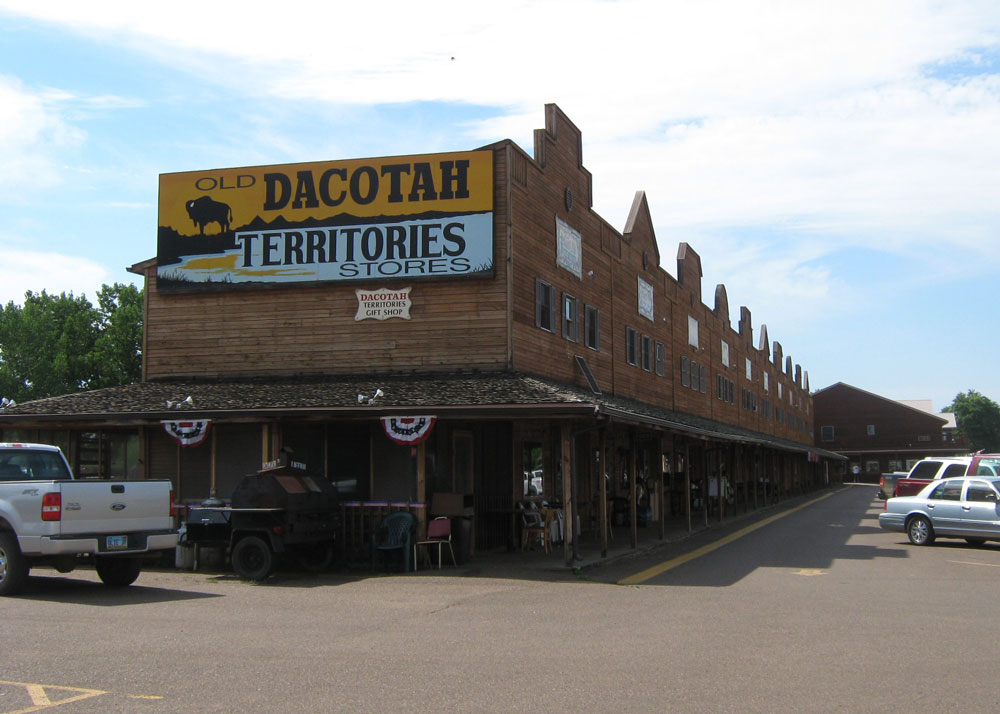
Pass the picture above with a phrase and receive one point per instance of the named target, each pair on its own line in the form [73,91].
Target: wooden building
[344,311]
[878,435]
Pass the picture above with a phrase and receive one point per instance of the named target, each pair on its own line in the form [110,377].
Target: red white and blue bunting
[187,433]
[408,430]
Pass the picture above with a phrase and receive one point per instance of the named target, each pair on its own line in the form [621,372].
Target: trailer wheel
[118,572]
[252,558]
[13,566]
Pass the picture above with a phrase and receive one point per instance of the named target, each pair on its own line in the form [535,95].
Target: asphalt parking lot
[803,614]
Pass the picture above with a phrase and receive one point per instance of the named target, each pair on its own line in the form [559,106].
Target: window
[692,331]
[695,376]
[570,318]
[980,492]
[766,382]
[871,430]
[779,390]
[725,389]
[661,359]
[685,372]
[749,365]
[647,353]
[826,433]
[725,353]
[925,469]
[948,491]
[593,327]
[954,470]
[631,346]
[545,308]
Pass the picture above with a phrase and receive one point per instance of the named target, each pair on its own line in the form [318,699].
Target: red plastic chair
[439,534]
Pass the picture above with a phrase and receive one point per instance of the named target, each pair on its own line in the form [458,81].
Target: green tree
[978,417]
[54,345]
[118,349]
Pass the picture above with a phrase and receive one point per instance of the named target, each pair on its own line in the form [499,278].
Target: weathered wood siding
[303,330]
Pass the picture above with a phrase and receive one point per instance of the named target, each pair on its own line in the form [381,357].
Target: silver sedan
[966,508]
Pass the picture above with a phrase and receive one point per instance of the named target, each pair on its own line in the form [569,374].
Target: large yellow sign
[412,217]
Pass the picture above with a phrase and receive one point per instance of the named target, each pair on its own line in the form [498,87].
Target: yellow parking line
[41,699]
[663,567]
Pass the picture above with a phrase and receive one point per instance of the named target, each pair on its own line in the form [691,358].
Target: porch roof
[483,395]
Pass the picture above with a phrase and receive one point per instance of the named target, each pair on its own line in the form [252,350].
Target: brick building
[438,326]
[879,435]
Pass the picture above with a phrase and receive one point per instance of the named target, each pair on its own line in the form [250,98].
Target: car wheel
[252,558]
[118,572]
[920,531]
[975,541]
[13,566]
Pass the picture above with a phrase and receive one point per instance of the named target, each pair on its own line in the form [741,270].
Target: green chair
[394,533]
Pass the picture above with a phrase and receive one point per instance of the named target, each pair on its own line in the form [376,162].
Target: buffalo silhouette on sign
[204,210]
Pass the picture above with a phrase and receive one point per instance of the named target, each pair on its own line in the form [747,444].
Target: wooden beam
[566,457]
[632,473]
[602,478]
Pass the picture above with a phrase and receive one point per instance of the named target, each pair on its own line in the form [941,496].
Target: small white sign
[569,248]
[383,304]
[645,299]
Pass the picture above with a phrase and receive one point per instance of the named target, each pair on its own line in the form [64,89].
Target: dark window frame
[632,346]
[570,323]
[592,327]
[545,307]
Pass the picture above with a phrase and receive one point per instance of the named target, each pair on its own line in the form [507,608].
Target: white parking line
[969,562]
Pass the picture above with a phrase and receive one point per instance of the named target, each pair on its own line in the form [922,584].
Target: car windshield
[31,464]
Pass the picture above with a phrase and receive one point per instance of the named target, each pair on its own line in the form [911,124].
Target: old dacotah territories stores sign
[412,217]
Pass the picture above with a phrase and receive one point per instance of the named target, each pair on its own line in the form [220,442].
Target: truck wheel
[118,572]
[13,566]
[920,531]
[252,558]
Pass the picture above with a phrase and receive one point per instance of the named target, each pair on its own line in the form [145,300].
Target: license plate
[117,542]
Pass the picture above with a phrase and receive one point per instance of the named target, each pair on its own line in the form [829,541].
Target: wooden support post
[602,488]
[211,483]
[661,483]
[422,488]
[687,483]
[566,456]
[180,490]
[632,474]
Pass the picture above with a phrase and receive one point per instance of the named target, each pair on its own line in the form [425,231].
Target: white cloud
[836,124]
[31,137]
[34,270]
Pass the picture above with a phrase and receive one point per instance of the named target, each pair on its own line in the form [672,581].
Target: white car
[966,508]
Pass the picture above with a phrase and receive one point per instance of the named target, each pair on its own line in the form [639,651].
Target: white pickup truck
[49,518]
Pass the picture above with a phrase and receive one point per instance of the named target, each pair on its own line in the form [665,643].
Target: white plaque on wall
[569,248]
[383,304]
[645,299]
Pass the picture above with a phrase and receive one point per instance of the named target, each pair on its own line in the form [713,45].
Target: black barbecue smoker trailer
[281,512]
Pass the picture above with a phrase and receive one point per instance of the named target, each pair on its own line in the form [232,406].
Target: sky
[836,165]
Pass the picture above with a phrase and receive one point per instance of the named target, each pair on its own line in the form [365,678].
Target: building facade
[451,333]
[878,435]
